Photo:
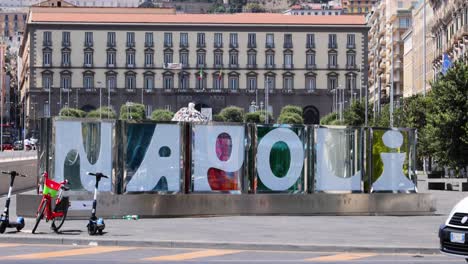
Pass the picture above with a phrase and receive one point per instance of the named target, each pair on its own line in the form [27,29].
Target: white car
[453,233]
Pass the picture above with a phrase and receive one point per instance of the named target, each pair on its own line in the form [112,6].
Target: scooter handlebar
[97,174]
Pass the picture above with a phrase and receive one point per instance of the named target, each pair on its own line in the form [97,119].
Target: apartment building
[418,76]
[167,61]
[450,31]
[388,22]
[12,23]
[359,7]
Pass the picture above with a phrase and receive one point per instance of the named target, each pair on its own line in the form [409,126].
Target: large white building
[166,61]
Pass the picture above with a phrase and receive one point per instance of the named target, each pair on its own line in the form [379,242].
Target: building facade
[421,56]
[358,6]
[450,31]
[388,22]
[311,9]
[83,3]
[167,61]
[12,23]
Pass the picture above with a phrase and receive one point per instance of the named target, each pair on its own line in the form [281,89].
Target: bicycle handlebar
[15,173]
[97,174]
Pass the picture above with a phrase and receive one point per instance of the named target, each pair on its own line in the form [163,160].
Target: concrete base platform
[183,205]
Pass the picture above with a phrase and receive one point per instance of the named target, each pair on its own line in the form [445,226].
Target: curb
[215,245]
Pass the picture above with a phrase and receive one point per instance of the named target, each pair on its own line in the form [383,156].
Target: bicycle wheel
[40,214]
[57,223]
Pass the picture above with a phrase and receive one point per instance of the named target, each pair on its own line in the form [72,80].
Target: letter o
[296,149]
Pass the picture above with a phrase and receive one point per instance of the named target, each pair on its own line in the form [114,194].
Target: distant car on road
[453,233]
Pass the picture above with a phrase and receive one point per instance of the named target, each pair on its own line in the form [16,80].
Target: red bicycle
[58,214]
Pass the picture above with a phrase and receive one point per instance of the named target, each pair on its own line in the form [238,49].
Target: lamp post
[100,99]
[392,77]
[108,94]
[48,104]
[267,91]
[60,98]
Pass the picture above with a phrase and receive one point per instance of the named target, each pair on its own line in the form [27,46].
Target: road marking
[194,255]
[342,257]
[8,245]
[66,253]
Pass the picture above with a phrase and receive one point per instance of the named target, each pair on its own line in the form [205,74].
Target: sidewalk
[384,234]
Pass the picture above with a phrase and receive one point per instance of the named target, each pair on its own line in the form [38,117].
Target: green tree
[290,118]
[162,115]
[254,8]
[253,117]
[132,111]
[218,118]
[329,118]
[291,109]
[232,114]
[103,112]
[446,128]
[71,112]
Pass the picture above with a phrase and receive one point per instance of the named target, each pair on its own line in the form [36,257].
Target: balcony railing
[251,45]
[87,65]
[47,43]
[270,66]
[251,66]
[130,44]
[183,45]
[311,66]
[332,45]
[287,46]
[168,44]
[66,44]
[233,45]
[217,65]
[149,44]
[234,66]
[111,44]
[88,44]
[288,66]
[218,44]
[351,66]
[332,66]
[270,45]
[201,44]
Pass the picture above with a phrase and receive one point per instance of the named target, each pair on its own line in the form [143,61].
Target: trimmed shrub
[134,111]
[290,118]
[104,112]
[218,118]
[71,112]
[291,109]
[232,114]
[253,117]
[162,115]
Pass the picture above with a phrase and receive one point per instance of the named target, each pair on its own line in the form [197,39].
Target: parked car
[18,145]
[453,233]
[6,146]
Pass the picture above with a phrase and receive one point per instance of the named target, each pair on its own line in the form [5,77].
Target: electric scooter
[5,218]
[96,225]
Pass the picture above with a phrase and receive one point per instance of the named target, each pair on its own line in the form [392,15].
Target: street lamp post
[108,95]
[392,77]
[48,104]
[100,99]
[267,91]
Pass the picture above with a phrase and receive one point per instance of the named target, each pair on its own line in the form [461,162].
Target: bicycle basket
[51,188]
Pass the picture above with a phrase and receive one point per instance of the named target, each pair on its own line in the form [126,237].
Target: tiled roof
[241,18]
